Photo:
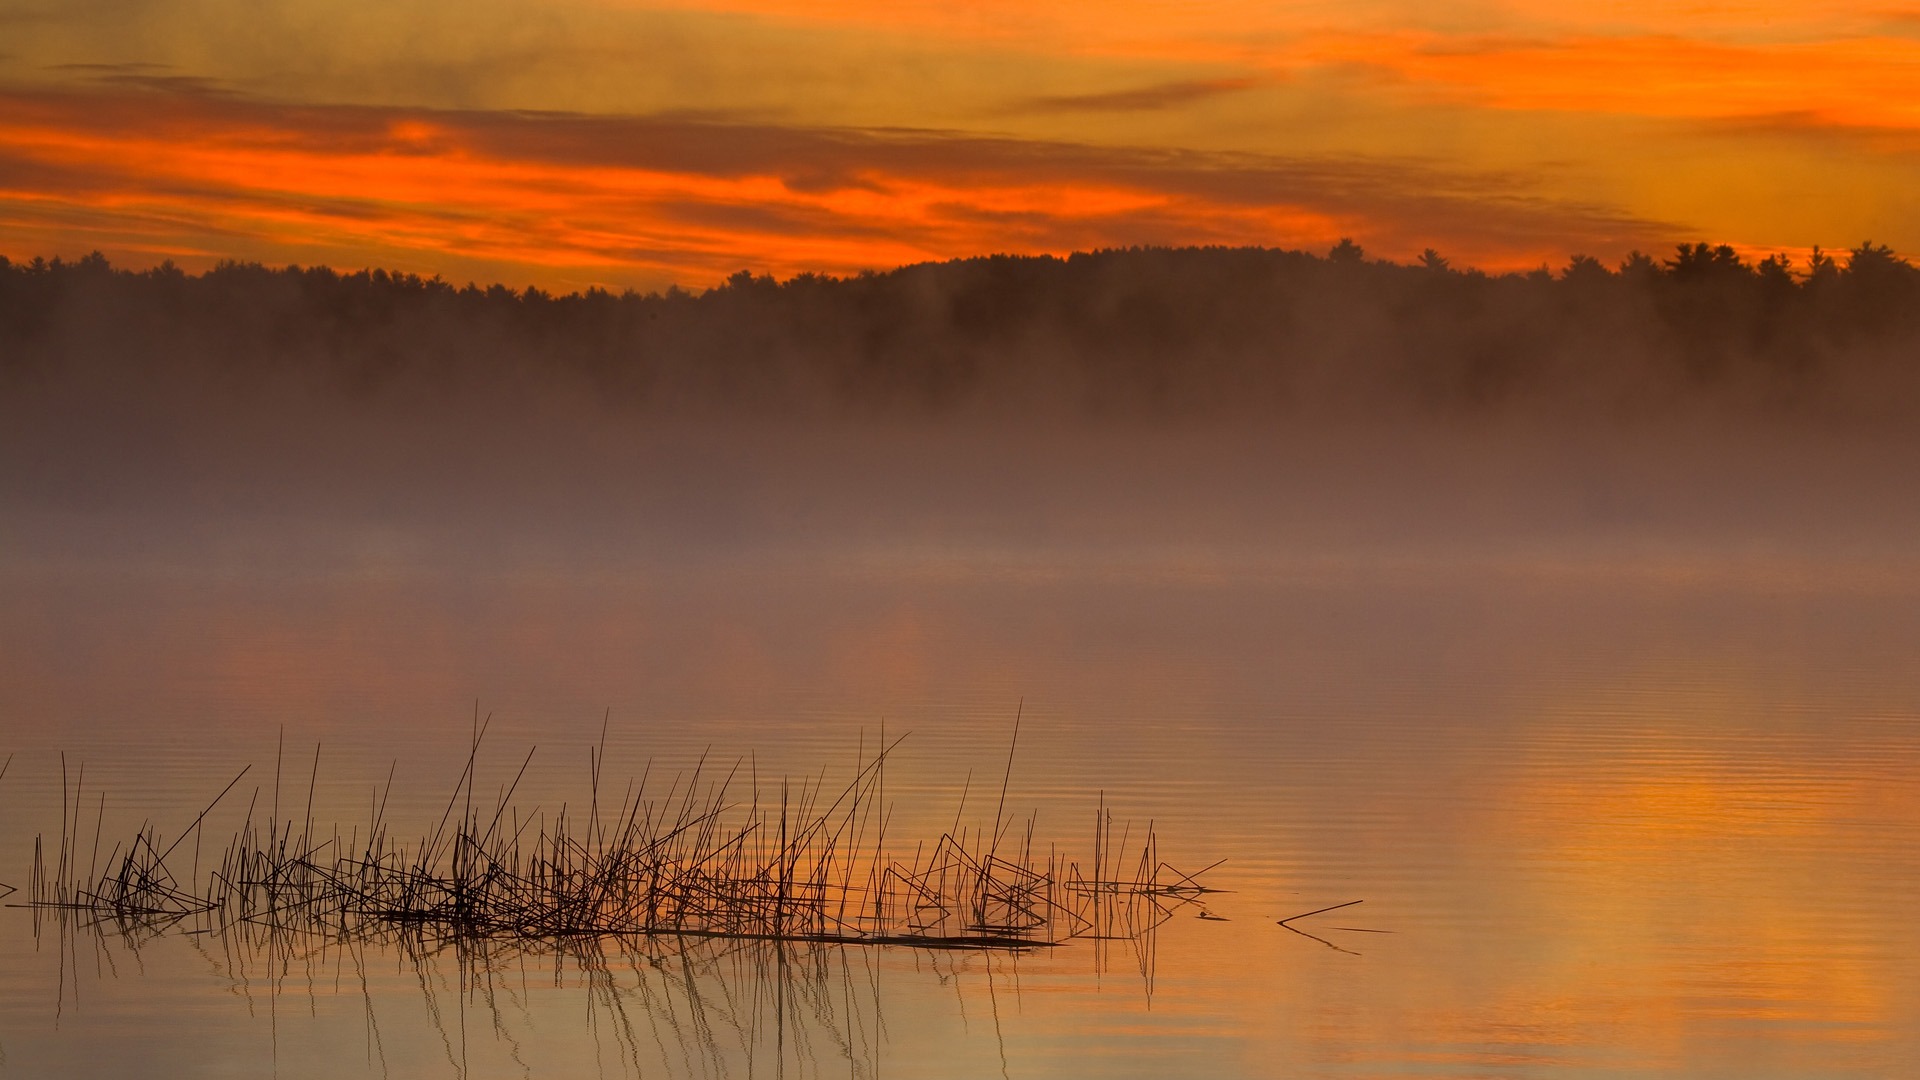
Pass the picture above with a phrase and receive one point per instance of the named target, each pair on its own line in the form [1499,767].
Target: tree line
[1122,332]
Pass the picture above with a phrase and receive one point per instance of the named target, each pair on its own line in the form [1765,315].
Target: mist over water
[1592,677]
[1251,404]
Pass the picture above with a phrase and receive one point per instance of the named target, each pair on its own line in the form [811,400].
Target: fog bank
[1208,407]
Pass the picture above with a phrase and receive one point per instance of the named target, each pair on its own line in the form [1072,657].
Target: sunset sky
[633,144]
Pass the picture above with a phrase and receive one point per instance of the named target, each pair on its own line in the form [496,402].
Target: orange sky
[639,144]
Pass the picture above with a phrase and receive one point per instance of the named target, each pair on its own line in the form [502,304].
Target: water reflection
[1619,823]
[402,1004]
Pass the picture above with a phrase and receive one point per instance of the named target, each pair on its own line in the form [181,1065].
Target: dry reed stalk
[693,863]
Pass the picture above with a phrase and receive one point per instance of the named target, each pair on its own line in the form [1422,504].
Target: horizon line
[1748,258]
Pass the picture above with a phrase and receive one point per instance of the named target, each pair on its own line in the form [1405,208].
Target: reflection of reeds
[6,889]
[692,1006]
[695,861]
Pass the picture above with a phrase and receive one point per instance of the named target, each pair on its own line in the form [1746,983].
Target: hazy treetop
[1138,332]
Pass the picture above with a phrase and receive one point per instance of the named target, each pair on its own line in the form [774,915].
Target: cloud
[1167,95]
[644,200]
[1821,132]
[1853,80]
[130,67]
[171,84]
[1904,21]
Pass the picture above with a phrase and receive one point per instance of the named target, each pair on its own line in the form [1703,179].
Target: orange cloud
[1855,81]
[1142,99]
[569,199]
[459,138]
[1844,61]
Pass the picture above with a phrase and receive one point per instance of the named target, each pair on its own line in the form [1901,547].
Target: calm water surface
[1623,811]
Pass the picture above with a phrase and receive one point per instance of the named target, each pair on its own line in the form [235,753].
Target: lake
[1615,745]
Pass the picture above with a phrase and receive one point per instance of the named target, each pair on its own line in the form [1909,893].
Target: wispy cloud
[1854,80]
[172,84]
[127,67]
[145,75]
[1166,95]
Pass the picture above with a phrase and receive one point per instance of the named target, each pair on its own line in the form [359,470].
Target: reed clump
[702,859]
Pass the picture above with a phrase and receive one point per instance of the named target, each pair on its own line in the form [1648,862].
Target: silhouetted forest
[1147,333]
